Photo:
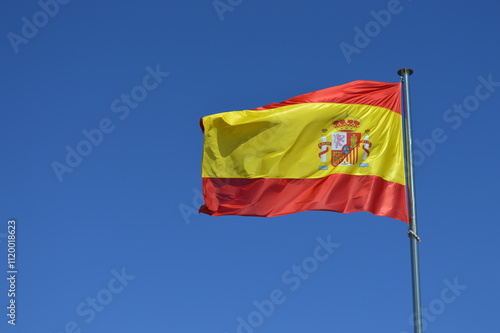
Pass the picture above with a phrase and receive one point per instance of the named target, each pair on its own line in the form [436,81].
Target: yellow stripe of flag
[290,141]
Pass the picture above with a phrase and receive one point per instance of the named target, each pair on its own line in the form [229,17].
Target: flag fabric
[338,149]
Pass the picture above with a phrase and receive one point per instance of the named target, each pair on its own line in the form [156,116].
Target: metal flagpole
[412,231]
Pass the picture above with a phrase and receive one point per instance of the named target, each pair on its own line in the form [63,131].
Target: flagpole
[412,212]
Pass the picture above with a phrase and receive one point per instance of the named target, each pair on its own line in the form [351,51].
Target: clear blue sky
[101,155]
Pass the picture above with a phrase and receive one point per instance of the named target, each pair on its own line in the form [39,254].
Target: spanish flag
[338,149]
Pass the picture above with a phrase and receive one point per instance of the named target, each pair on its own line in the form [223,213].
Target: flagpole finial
[405,70]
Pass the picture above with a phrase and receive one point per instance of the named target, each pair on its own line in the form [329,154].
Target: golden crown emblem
[347,124]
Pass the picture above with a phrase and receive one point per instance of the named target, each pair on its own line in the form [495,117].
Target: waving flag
[338,149]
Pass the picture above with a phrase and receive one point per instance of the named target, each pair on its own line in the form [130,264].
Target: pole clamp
[412,233]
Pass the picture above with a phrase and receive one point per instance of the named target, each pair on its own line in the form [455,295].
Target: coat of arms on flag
[345,144]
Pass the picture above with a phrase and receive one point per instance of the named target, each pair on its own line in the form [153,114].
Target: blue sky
[101,167]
